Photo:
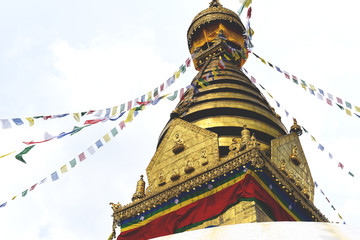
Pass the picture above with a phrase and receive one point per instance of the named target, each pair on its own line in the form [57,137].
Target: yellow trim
[211,192]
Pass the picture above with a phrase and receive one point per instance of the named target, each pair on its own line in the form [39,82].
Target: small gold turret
[296,128]
[140,189]
[245,135]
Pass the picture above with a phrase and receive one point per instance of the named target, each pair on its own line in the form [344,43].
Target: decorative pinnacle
[215,3]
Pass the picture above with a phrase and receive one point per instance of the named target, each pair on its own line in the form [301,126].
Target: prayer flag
[341,107]
[177,74]
[348,112]
[54,176]
[348,105]
[271,65]
[320,96]
[188,62]
[221,65]
[114,131]
[322,92]
[91,150]
[42,181]
[303,86]
[77,129]
[33,187]
[330,96]
[143,98]
[130,116]
[63,169]
[295,79]
[89,112]
[312,138]
[3,205]
[304,129]
[330,156]
[5,123]
[322,192]
[93,121]
[340,165]
[122,107]
[287,114]
[99,144]
[82,156]
[245,71]
[261,86]
[23,194]
[316,185]
[173,97]
[269,94]
[48,136]
[278,69]
[339,100]
[162,86]
[249,13]
[7,154]
[277,104]
[357,115]
[98,113]
[321,147]
[25,151]
[73,163]
[196,90]
[287,75]
[129,105]
[13,197]
[114,110]
[263,60]
[303,82]
[327,200]
[351,174]
[31,121]
[170,81]
[340,216]
[333,207]
[329,101]
[76,116]
[357,108]
[181,94]
[122,125]
[253,79]
[156,92]
[18,121]
[106,138]
[312,88]
[312,91]
[182,68]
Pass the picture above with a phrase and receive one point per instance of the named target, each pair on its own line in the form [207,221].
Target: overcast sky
[72,56]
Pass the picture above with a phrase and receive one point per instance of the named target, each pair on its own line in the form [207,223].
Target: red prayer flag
[93,121]
[253,79]
[329,101]
[188,62]
[249,13]
[122,125]
[327,199]
[82,157]
[181,94]
[162,87]
[340,165]
[90,112]
[33,186]
[46,117]
[339,100]
[221,66]
[287,75]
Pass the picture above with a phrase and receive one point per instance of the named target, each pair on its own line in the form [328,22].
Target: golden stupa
[224,157]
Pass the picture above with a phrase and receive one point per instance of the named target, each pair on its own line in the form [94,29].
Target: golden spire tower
[224,157]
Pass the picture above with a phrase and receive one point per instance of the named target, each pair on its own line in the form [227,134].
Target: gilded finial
[215,3]
[140,189]
[296,128]
[245,135]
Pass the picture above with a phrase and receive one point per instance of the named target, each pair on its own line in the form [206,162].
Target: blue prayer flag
[286,112]
[316,185]
[54,176]
[18,121]
[330,156]
[108,110]
[3,205]
[99,144]
[278,104]
[321,147]
[277,68]
[312,92]
[322,92]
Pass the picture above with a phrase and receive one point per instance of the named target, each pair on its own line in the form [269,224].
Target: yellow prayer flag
[13,198]
[236,55]
[107,137]
[269,94]
[130,116]
[312,138]
[357,108]
[201,84]
[76,116]
[340,216]
[262,60]
[7,154]
[348,112]
[149,95]
[31,121]
[246,2]
[312,88]
[111,236]
[214,73]
[63,169]
[303,86]
[177,74]
[114,110]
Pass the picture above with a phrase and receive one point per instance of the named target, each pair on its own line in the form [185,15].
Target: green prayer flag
[114,131]
[333,207]
[122,107]
[341,107]
[203,81]
[303,82]
[73,163]
[183,68]
[295,81]
[83,113]
[173,97]
[350,173]
[348,105]
[24,193]
[25,151]
[37,117]
[304,130]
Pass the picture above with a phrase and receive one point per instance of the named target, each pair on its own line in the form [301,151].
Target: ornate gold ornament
[296,128]
[175,174]
[189,168]
[204,160]
[161,178]
[140,189]
[294,156]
